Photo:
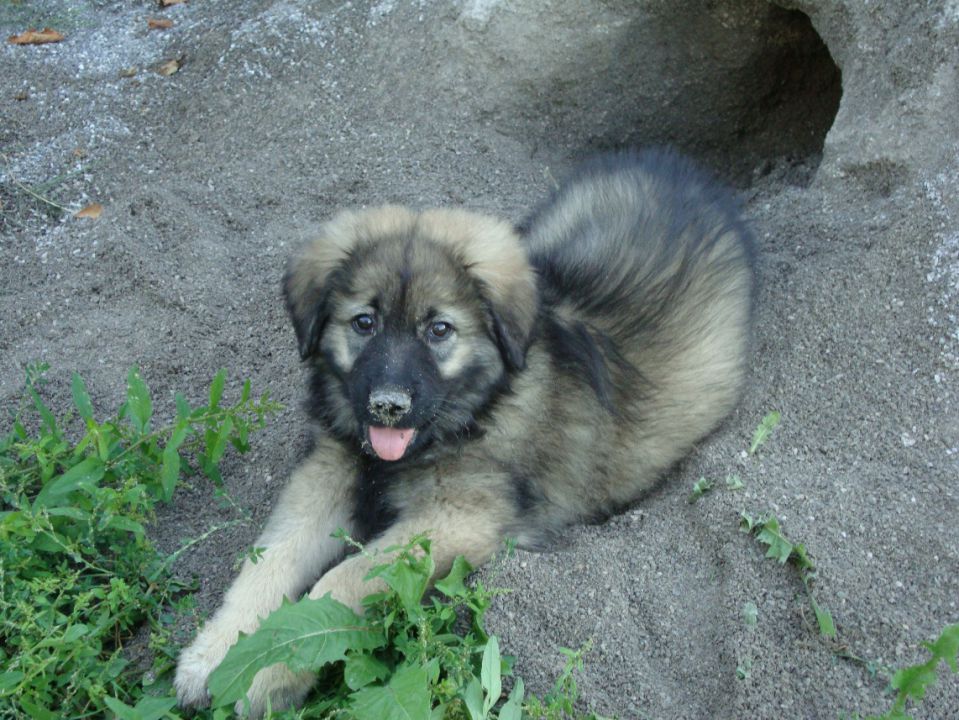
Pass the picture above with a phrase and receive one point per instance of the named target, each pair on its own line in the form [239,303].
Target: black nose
[389,405]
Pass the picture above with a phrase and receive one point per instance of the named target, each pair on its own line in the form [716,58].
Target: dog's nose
[388,405]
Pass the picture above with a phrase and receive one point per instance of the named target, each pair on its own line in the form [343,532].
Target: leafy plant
[405,658]
[765,429]
[78,574]
[767,531]
[734,482]
[700,488]
[910,683]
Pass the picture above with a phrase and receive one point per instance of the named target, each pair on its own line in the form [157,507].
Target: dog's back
[646,274]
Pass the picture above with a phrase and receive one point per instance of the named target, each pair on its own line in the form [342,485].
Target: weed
[910,683]
[403,658]
[734,482]
[765,429]
[768,532]
[700,488]
[78,574]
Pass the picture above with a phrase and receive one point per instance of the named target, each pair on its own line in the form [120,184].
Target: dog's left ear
[491,251]
[311,273]
[512,334]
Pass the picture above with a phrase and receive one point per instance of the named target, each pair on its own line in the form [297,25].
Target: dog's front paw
[276,687]
[195,665]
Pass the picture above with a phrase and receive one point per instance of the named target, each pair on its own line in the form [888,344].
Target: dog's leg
[465,516]
[297,543]
[472,535]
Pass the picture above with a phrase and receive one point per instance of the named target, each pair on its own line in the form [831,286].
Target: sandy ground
[278,116]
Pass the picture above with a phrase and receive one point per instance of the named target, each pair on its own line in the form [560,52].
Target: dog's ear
[311,273]
[492,253]
[307,303]
[512,334]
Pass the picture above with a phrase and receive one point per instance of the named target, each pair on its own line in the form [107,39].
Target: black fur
[372,510]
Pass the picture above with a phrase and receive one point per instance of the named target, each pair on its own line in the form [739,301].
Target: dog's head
[411,321]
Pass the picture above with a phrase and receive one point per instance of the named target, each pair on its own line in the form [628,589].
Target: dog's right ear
[306,302]
[310,276]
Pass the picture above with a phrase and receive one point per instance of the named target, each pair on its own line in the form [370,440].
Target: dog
[477,381]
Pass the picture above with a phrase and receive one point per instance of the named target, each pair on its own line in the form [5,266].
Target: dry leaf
[169,67]
[91,211]
[79,153]
[128,72]
[168,3]
[36,37]
[21,96]
[159,23]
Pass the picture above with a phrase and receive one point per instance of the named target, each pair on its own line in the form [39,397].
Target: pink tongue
[390,443]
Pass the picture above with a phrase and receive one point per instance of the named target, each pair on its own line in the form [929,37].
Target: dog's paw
[276,687]
[195,665]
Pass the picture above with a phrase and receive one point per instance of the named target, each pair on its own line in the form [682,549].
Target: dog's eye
[364,324]
[440,330]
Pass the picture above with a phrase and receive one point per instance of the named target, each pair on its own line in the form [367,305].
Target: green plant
[765,429]
[78,573]
[734,482]
[404,658]
[767,531]
[700,488]
[910,683]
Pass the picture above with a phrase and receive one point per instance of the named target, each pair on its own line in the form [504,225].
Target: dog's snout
[390,404]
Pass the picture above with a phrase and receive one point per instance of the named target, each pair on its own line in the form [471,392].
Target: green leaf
[215,453]
[406,697]
[80,397]
[827,627]
[182,407]
[747,523]
[120,522]
[764,430]
[121,709]
[361,670]
[154,708]
[779,547]
[305,635]
[139,406]
[801,558]
[75,632]
[9,680]
[48,419]
[946,647]
[170,469]
[473,699]
[513,707]
[452,585]
[38,712]
[409,577]
[734,482]
[490,674]
[85,474]
[70,512]
[216,389]
[700,488]
[912,681]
